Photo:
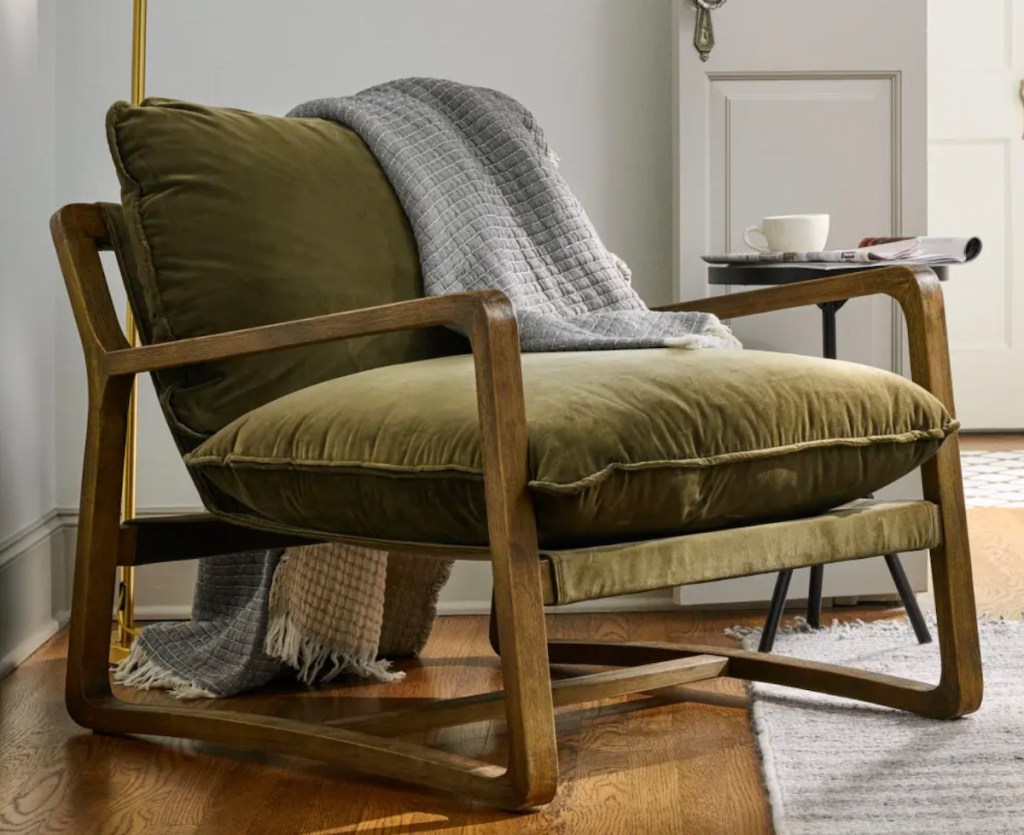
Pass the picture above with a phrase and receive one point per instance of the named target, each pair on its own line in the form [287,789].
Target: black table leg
[814,596]
[828,329]
[830,352]
[771,624]
[899,577]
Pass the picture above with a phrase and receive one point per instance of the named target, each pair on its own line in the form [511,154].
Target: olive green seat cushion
[233,220]
[623,445]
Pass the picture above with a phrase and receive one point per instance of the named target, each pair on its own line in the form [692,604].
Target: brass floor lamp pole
[126,574]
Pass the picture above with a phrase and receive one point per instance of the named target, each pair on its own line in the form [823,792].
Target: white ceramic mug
[790,233]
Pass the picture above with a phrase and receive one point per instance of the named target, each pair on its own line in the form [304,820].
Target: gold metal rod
[126,574]
[139,52]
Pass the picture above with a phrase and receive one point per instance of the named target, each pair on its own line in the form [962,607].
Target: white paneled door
[804,106]
[976,187]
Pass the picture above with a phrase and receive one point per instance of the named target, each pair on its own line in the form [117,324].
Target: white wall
[597,73]
[29,284]
[28,275]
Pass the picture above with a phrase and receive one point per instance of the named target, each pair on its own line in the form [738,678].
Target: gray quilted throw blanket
[220,652]
[490,210]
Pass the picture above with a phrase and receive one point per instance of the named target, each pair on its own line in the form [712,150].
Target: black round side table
[765,275]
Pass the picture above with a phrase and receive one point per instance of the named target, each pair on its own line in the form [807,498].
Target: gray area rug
[836,766]
[993,479]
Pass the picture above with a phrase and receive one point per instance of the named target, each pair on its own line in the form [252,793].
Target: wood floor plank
[997,545]
[630,765]
[992,443]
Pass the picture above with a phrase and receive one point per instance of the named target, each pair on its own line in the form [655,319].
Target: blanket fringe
[714,335]
[141,671]
[315,660]
[844,629]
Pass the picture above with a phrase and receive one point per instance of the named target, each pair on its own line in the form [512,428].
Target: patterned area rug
[836,766]
[993,479]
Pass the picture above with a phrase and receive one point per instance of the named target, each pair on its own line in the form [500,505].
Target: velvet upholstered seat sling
[316,397]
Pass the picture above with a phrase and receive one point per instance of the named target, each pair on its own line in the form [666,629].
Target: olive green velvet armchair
[315,397]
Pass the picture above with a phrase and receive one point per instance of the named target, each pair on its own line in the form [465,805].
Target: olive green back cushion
[622,445]
[235,220]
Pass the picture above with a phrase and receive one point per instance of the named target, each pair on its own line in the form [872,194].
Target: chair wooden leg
[88,679]
[529,710]
[512,534]
[960,688]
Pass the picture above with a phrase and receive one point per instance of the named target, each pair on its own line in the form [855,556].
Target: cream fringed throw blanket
[332,609]
[489,209]
[316,612]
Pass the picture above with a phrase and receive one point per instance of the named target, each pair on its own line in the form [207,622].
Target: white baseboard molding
[19,652]
[35,588]
[660,602]
[15,545]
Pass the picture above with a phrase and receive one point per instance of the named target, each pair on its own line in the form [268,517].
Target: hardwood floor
[992,443]
[628,766]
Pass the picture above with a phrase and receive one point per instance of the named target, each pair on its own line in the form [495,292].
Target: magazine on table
[921,250]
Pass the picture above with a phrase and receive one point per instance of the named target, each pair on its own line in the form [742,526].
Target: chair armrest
[891,281]
[916,289]
[467,311]
[486,317]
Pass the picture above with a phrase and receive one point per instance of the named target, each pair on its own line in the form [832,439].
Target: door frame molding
[895,79]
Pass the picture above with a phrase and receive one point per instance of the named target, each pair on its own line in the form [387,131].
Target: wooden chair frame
[368,744]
